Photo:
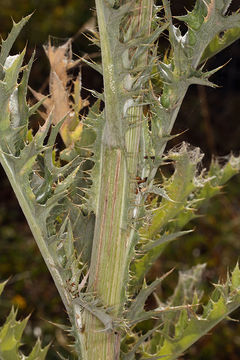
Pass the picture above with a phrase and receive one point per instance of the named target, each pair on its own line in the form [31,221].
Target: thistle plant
[101,210]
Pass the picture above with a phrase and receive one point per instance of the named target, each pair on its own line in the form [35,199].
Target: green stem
[118,169]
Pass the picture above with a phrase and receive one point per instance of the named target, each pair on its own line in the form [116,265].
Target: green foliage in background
[68,17]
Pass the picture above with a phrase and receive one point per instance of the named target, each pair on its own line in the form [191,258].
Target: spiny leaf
[141,339]
[220,42]
[38,353]
[59,101]
[178,190]
[10,340]
[8,43]
[188,283]
[93,65]
[223,301]
[235,278]
[205,22]
[12,67]
[164,239]
[2,286]
[137,307]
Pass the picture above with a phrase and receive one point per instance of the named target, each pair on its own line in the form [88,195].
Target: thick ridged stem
[118,167]
[109,254]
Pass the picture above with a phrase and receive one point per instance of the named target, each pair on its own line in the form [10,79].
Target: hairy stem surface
[118,169]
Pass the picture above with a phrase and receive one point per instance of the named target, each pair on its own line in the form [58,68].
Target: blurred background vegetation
[212,120]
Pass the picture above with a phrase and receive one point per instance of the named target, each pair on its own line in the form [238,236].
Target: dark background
[212,120]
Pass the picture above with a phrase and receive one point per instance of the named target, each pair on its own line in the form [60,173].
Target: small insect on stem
[140,181]
[83,328]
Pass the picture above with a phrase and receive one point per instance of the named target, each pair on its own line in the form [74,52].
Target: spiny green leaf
[178,188]
[224,300]
[38,353]
[236,278]
[164,239]
[220,42]
[182,210]
[206,21]
[188,283]
[11,69]
[2,286]
[137,307]
[10,340]
[131,354]
[8,43]
[22,92]
[93,65]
